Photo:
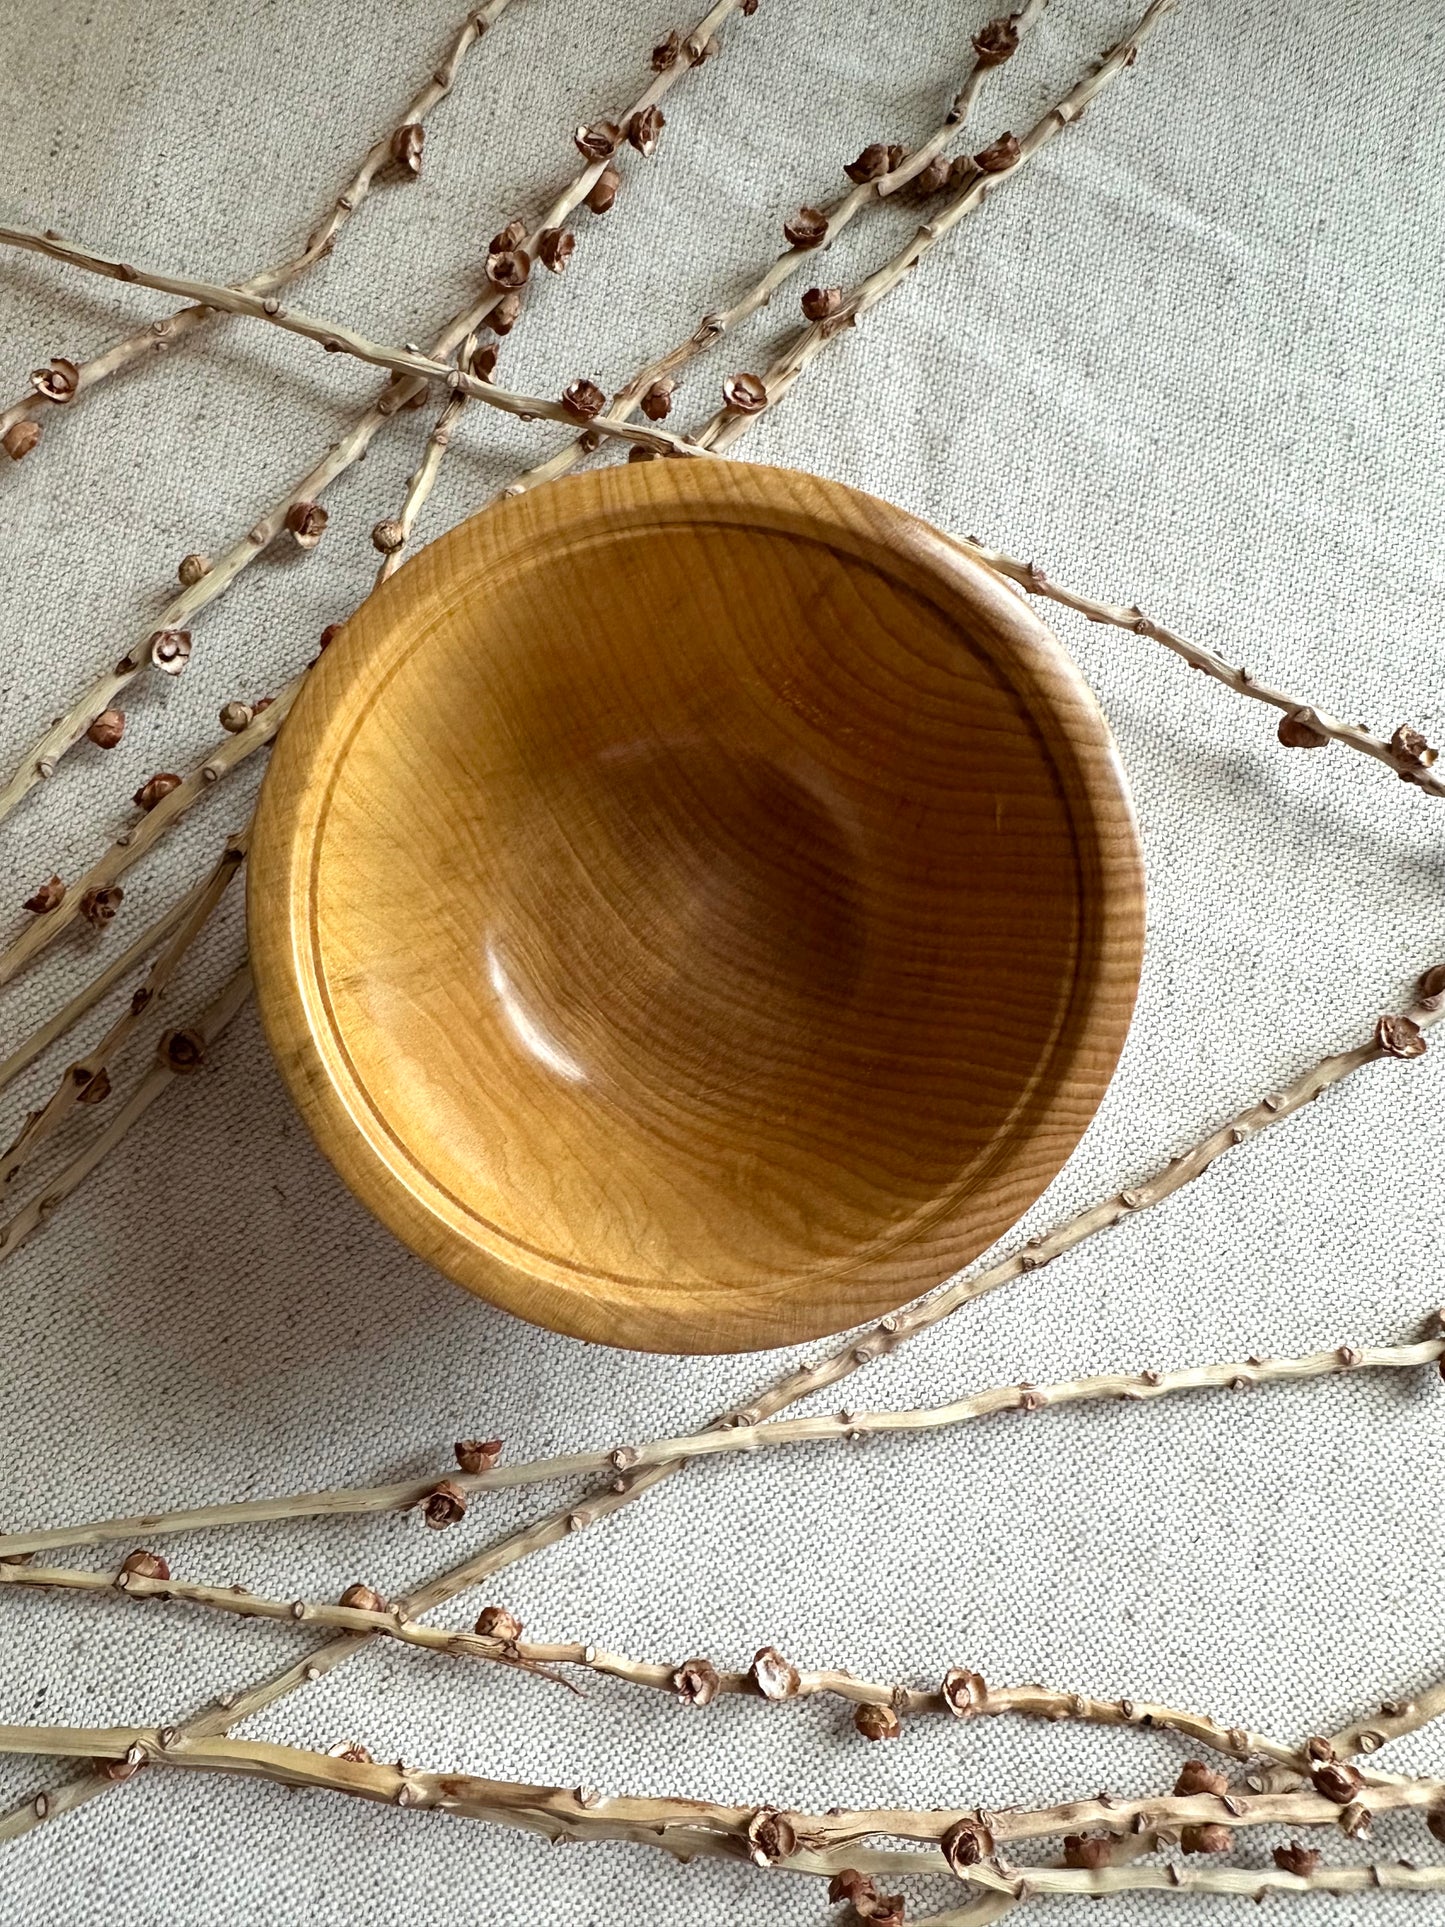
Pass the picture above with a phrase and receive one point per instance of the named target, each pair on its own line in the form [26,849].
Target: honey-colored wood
[695,906]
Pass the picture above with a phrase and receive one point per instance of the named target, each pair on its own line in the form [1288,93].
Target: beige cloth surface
[1195,359]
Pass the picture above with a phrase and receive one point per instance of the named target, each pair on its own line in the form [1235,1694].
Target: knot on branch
[192,569]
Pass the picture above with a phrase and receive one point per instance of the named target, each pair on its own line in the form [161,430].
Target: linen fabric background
[1192,357]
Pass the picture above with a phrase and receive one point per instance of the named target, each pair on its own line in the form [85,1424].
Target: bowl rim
[1054,1110]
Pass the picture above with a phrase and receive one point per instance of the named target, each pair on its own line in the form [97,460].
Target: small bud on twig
[19,439]
[1336,1780]
[775,1677]
[819,303]
[509,237]
[99,906]
[964,1693]
[48,897]
[598,143]
[1412,747]
[696,1682]
[554,248]
[508,267]
[477,1455]
[307,522]
[966,1843]
[170,650]
[144,1564]
[1196,1777]
[771,1837]
[1400,1036]
[181,1051]
[365,1598]
[107,729]
[656,404]
[1211,1838]
[808,228]
[235,717]
[644,130]
[503,318]
[745,393]
[877,1722]
[445,1505]
[665,53]
[603,191]
[1298,730]
[495,1622]
[997,42]
[387,537]
[583,399]
[58,382]
[1296,1859]
[871,164]
[192,569]
[406,145]
[154,788]
[999,156]
[1087,1852]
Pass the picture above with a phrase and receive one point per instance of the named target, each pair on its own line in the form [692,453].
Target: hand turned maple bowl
[696,906]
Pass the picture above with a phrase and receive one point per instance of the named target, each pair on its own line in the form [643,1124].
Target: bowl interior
[702,911]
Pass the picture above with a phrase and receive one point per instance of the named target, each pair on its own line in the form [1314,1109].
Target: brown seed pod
[193,569]
[818,303]
[1432,984]
[877,1722]
[118,1769]
[97,1088]
[366,1599]
[19,439]
[696,1682]
[235,717]
[144,1564]
[1400,1036]
[599,142]
[871,164]
[966,1843]
[307,522]
[640,453]
[1413,747]
[583,399]
[58,382]
[99,906]
[406,145]
[603,191]
[745,393]
[554,248]
[849,1885]
[999,156]
[1336,1780]
[182,1051]
[509,268]
[1206,1839]
[961,170]
[509,237]
[879,1910]
[1088,1851]
[445,1505]
[1297,730]
[495,1622]
[483,364]
[477,1455]
[154,788]
[387,537]
[1296,1859]
[996,42]
[665,53]
[771,1837]
[808,228]
[1196,1777]
[644,130]
[107,729]
[775,1677]
[170,650]
[48,897]
[503,318]
[656,403]
[930,179]
[964,1693]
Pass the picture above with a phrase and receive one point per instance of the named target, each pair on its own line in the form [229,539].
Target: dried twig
[160,336]
[42,758]
[729,423]
[1303,726]
[835,218]
[768,1836]
[852,1425]
[87,1081]
[336,338]
[421,481]
[170,1063]
[132,844]
[1247,1883]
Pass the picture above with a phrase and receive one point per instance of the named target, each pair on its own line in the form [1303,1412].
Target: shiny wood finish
[695,906]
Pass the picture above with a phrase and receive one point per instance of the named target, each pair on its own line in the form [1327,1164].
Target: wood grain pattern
[695,906]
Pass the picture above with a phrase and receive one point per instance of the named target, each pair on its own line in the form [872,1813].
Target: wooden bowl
[695,906]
